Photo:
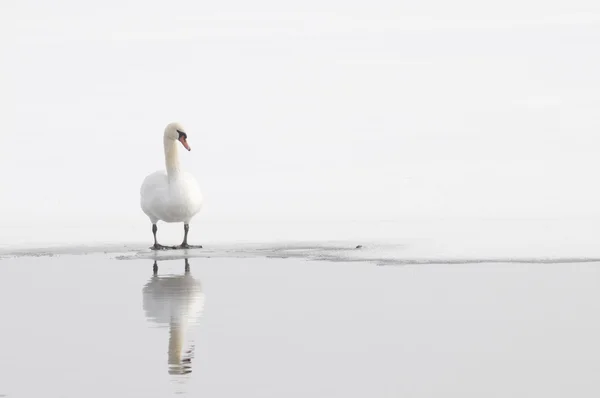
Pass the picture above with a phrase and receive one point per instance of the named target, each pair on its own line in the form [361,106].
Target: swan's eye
[182,134]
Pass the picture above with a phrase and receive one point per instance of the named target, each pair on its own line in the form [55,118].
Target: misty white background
[312,110]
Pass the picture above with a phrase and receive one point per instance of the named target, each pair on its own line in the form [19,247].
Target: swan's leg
[187,266]
[155,268]
[186,229]
[158,246]
[184,244]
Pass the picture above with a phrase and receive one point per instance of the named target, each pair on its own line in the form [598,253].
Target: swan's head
[175,131]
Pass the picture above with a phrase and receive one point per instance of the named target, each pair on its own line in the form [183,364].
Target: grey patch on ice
[315,251]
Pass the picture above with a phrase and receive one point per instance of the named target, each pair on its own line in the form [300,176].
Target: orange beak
[184,143]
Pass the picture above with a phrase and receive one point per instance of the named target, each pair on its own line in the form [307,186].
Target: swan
[171,195]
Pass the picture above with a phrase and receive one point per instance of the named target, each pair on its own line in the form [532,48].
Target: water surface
[96,326]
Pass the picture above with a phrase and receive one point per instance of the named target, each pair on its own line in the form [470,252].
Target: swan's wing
[153,192]
[193,193]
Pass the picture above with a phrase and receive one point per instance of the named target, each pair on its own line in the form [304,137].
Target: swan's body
[171,195]
[170,199]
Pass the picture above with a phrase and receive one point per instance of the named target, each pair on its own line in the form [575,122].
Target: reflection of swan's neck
[171,156]
[176,337]
[178,364]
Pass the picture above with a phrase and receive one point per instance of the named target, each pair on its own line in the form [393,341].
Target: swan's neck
[171,157]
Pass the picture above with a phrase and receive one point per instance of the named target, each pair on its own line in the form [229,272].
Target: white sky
[307,109]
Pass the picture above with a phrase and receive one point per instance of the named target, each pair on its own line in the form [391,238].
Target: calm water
[95,326]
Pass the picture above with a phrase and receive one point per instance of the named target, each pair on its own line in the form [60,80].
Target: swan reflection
[176,301]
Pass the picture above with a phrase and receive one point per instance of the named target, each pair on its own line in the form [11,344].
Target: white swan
[174,195]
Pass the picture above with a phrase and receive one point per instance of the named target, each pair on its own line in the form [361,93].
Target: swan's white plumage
[172,195]
[171,200]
